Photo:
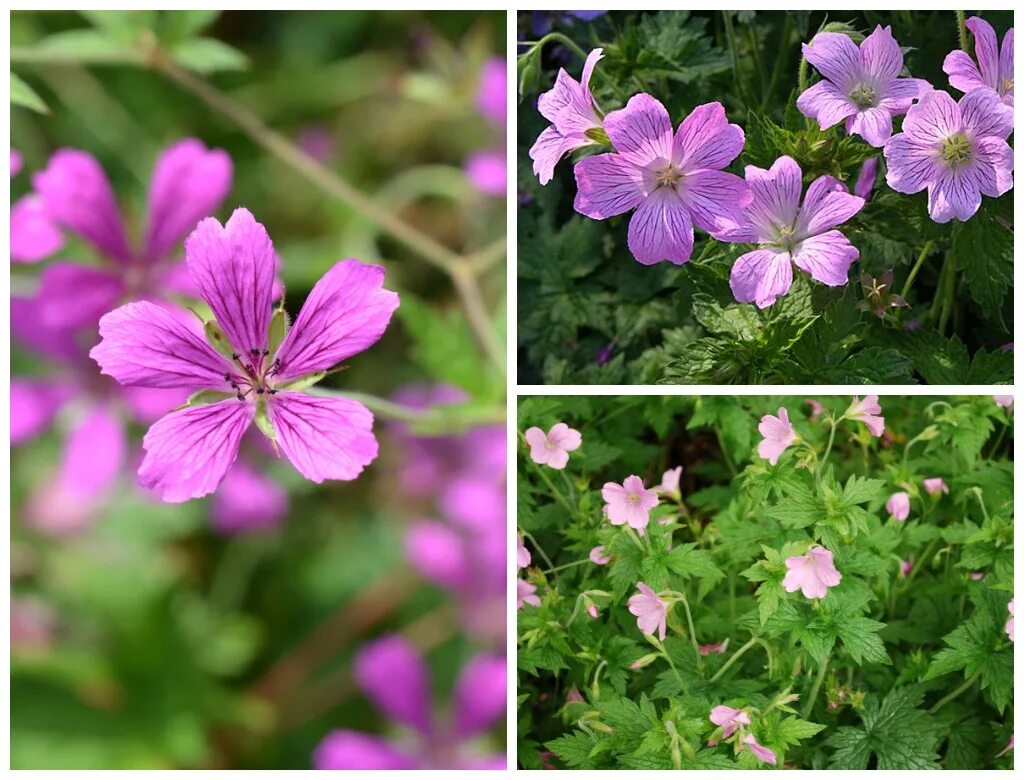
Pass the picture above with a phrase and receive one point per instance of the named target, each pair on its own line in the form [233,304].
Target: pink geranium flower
[597,555]
[34,236]
[651,612]
[778,435]
[1009,623]
[522,554]
[861,86]
[867,411]
[935,486]
[898,505]
[670,482]
[906,566]
[717,648]
[812,573]
[729,719]
[789,234]
[630,503]
[553,448]
[994,70]
[674,181]
[1007,749]
[189,451]
[526,593]
[764,754]
[957,151]
[1005,401]
[574,116]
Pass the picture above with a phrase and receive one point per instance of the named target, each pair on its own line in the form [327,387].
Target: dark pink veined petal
[962,71]
[994,154]
[986,49]
[247,500]
[775,195]
[34,404]
[705,139]
[826,257]
[73,296]
[835,56]
[880,55]
[550,147]
[34,234]
[826,104]
[77,195]
[910,166]
[661,229]
[346,312]
[760,277]
[188,452]
[394,676]
[827,205]
[480,694]
[606,185]
[189,182]
[144,344]
[324,438]
[234,267]
[956,194]
[874,125]
[342,749]
[715,200]
[641,132]
[984,114]
[933,119]
[175,278]
[30,331]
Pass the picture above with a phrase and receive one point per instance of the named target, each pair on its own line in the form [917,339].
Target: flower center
[863,96]
[256,373]
[1005,86]
[956,149]
[668,176]
[634,498]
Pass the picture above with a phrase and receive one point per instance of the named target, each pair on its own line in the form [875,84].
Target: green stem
[557,36]
[733,659]
[780,63]
[537,547]
[831,439]
[755,51]
[679,677]
[553,569]
[801,76]
[730,37]
[917,267]
[961,29]
[947,295]
[809,705]
[929,551]
[947,699]
[554,490]
[436,420]
[693,636]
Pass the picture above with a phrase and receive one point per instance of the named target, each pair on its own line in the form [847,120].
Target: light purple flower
[866,178]
[716,647]
[630,503]
[553,448]
[957,151]
[574,116]
[935,486]
[1005,401]
[1009,623]
[729,719]
[778,435]
[790,234]
[674,181]
[670,482]
[247,500]
[592,611]
[867,411]
[861,85]
[651,612]
[898,506]
[522,554]
[526,593]
[189,451]
[994,70]
[812,573]
[764,754]
[597,555]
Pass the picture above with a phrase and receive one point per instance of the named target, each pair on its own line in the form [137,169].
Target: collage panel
[258,390]
[765,197]
[765,582]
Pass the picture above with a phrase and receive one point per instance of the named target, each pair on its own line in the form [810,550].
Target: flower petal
[324,438]
[835,56]
[910,165]
[715,200]
[29,330]
[72,296]
[393,675]
[550,147]
[984,114]
[34,404]
[1006,67]
[874,125]
[775,195]
[899,94]
[962,71]
[606,185]
[247,500]
[825,103]
[705,139]
[438,552]
[986,49]
[826,205]
[957,194]
[995,166]
[661,229]
[760,277]
[641,132]
[880,55]
[188,452]
[342,749]
[34,235]
[94,454]
[479,695]
[933,119]
[346,312]
[826,257]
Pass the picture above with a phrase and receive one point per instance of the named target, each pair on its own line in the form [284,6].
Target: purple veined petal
[963,72]
[480,694]
[394,676]
[910,165]
[73,296]
[343,749]
[760,277]
[189,182]
[34,404]
[827,205]
[550,147]
[580,113]
[933,119]
[149,404]
[438,552]
[956,194]
[775,195]
[247,500]
[607,185]
[661,229]
[826,257]
[487,172]
[324,438]
[705,139]
[30,331]
[144,344]
[234,267]
[174,277]
[552,103]
[874,125]
[986,49]
[641,132]
[826,104]
[77,194]
[880,55]
[984,114]
[835,56]
[1006,67]
[901,93]
[188,452]
[346,312]
[997,154]
[34,235]
[588,67]
[715,200]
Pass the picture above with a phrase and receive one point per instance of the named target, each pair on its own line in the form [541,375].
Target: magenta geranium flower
[553,448]
[935,486]
[764,754]
[729,719]
[898,506]
[189,451]
[957,151]
[526,593]
[487,169]
[778,435]
[598,556]
[630,503]
[651,612]
[189,182]
[674,181]
[247,500]
[861,86]
[574,117]
[812,573]
[34,235]
[788,234]
[867,411]
[906,566]
[994,70]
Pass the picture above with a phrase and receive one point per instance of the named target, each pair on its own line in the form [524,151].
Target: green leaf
[23,95]
[894,730]
[88,46]
[208,55]
[800,508]
[979,646]
[574,749]
[983,250]
[861,640]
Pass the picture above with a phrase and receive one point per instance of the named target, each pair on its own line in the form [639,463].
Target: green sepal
[597,134]
[204,397]
[303,382]
[278,329]
[263,422]
[216,338]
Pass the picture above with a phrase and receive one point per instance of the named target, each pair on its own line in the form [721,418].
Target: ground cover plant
[258,390]
[751,197]
[765,582]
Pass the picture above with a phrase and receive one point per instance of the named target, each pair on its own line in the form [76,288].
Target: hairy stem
[554,491]
[730,36]
[693,635]
[961,29]
[733,659]
[809,704]
[557,36]
[917,267]
[538,548]
[947,699]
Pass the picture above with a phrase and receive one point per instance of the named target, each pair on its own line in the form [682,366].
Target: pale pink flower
[598,556]
[868,412]
[816,408]
[522,554]
[553,448]
[935,486]
[651,612]
[1005,401]
[763,753]
[812,573]
[714,648]
[592,611]
[778,434]
[573,695]
[977,575]
[898,506]
[906,566]
[729,719]
[670,482]
[1009,623]
[1007,749]
[629,503]
[526,594]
